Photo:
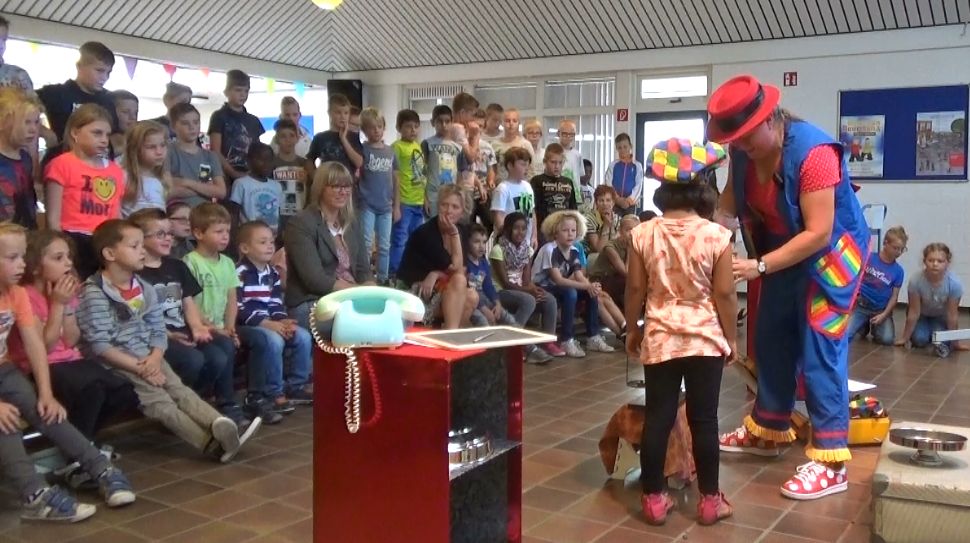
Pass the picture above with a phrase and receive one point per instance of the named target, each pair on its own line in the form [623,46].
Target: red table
[391,480]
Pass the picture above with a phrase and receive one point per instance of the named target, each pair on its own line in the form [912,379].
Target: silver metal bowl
[928,443]
[468,446]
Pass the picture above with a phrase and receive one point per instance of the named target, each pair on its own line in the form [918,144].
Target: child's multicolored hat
[681,160]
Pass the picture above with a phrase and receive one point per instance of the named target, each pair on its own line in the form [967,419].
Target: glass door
[656,127]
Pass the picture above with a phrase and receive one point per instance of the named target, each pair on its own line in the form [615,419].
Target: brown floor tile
[677,523]
[626,535]
[754,516]
[232,475]
[534,473]
[763,495]
[301,500]
[579,444]
[563,529]
[110,535]
[559,458]
[811,526]
[271,538]
[299,532]
[549,499]
[220,504]
[165,523]
[600,506]
[268,517]
[722,533]
[214,532]
[38,532]
[532,517]
[120,515]
[776,537]
[147,479]
[841,507]
[180,491]
[856,533]
[585,477]
[273,486]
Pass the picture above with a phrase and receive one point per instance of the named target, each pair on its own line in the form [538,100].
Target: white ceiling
[382,34]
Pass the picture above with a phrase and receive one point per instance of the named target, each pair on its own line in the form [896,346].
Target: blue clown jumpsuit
[803,310]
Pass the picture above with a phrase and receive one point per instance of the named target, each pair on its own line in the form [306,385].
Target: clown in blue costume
[809,255]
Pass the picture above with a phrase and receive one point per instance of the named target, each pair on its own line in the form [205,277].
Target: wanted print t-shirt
[91,195]
[291,175]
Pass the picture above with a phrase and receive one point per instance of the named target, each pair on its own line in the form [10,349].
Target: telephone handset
[362,317]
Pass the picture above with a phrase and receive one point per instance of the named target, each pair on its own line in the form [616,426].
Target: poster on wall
[941,143]
[863,136]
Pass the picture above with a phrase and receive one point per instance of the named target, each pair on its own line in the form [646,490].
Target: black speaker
[353,89]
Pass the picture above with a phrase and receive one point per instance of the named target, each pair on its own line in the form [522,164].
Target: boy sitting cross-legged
[122,324]
[265,327]
[40,409]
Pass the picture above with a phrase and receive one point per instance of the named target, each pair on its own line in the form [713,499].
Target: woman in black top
[433,264]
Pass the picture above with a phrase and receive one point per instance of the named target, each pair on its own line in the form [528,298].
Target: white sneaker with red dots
[815,480]
[742,441]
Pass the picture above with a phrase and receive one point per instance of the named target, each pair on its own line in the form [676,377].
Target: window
[579,94]
[673,87]
[520,96]
[594,138]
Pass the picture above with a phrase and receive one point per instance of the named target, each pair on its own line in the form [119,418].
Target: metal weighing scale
[928,444]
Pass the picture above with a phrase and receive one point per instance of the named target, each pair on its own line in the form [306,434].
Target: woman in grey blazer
[324,247]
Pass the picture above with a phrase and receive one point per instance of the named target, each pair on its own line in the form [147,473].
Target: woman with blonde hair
[324,245]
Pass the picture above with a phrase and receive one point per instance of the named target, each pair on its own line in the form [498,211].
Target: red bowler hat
[739,105]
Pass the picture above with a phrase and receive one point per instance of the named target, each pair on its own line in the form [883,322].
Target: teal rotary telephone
[362,317]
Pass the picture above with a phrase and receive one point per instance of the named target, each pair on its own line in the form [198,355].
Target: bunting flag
[205,72]
[270,85]
[130,65]
[300,88]
[34,47]
[170,69]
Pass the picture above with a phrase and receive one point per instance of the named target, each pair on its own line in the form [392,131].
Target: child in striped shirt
[263,324]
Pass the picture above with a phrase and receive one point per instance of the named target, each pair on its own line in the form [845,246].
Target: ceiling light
[327,4]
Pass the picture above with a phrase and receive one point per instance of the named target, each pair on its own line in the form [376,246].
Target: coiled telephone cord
[351,382]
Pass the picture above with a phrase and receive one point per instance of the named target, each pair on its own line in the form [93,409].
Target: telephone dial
[362,317]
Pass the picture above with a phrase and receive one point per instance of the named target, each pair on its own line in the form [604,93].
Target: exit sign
[622,115]
[790,79]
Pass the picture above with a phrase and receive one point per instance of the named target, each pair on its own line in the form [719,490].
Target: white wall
[825,65]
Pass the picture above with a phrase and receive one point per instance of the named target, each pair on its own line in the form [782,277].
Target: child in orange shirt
[679,266]
[84,187]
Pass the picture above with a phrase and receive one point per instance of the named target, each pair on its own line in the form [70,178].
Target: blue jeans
[267,353]
[381,223]
[412,216]
[923,332]
[567,298]
[883,333]
[207,366]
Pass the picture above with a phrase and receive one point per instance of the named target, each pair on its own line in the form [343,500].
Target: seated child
[122,325]
[266,329]
[558,271]
[934,302]
[217,275]
[91,393]
[19,400]
[204,361]
[880,291]
[489,311]
[609,268]
[178,217]
[511,259]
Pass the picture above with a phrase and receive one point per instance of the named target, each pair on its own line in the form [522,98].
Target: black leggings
[91,394]
[702,377]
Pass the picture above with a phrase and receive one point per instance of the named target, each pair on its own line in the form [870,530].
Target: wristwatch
[762,267]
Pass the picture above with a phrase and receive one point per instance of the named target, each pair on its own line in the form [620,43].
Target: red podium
[391,481]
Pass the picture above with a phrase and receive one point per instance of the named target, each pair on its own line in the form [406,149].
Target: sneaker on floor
[299,396]
[941,349]
[55,504]
[712,508]
[571,348]
[256,407]
[537,356]
[78,479]
[597,344]
[742,441]
[115,488]
[281,405]
[815,480]
[226,434]
[236,413]
[655,507]
[227,456]
[553,349]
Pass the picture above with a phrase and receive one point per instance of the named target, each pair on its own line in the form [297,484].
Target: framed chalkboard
[905,134]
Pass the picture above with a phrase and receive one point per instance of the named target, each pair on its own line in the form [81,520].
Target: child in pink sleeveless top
[680,279]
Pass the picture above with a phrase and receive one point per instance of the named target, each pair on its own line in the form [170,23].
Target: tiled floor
[266,495]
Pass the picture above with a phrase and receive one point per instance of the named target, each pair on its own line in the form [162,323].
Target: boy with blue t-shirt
[258,194]
[379,201]
[879,292]
[444,158]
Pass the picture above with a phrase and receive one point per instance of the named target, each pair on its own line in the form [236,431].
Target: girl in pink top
[679,270]
[90,393]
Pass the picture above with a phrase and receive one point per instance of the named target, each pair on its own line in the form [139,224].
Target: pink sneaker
[712,508]
[553,349]
[742,441]
[655,507]
[814,480]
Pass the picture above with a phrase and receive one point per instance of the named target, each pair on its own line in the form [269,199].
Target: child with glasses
[880,291]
